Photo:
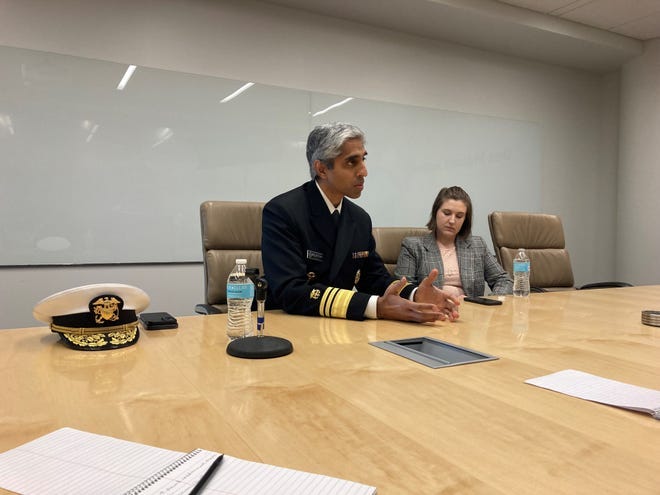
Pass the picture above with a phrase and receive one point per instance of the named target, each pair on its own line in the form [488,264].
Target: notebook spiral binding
[136,490]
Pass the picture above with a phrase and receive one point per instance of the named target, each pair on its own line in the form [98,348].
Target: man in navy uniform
[317,245]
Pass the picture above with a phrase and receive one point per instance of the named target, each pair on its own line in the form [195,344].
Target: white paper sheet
[603,390]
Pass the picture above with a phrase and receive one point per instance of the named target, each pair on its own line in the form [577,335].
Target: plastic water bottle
[521,267]
[240,293]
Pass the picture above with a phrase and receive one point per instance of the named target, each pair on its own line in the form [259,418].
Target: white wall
[576,110]
[638,237]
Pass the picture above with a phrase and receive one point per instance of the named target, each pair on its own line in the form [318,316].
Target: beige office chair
[388,242]
[230,230]
[542,236]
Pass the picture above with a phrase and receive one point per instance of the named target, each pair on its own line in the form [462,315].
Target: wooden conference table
[341,407]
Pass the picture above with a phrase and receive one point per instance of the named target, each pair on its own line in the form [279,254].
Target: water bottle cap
[241,261]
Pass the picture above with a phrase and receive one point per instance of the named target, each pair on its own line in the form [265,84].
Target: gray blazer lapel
[432,251]
[465,264]
[432,259]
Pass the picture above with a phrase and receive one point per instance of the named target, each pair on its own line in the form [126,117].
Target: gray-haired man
[317,245]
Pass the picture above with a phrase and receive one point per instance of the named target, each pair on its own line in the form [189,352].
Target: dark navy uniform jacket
[311,265]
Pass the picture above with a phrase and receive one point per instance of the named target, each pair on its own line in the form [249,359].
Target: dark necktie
[335,218]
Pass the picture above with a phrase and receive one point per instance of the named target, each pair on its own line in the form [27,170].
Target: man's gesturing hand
[428,293]
[391,306]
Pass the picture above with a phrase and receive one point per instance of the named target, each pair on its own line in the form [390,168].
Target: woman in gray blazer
[463,260]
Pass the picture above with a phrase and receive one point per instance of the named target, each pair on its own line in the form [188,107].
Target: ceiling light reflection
[91,133]
[5,122]
[127,75]
[162,135]
[237,92]
[321,112]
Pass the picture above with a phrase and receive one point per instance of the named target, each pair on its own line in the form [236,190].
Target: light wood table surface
[341,407]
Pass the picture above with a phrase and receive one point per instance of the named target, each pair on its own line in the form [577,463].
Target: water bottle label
[521,266]
[240,291]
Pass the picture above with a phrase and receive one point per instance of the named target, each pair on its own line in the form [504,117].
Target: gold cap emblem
[106,308]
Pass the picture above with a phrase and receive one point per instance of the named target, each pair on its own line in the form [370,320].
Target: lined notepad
[603,390]
[76,462]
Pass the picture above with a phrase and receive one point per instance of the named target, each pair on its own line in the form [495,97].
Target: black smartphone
[483,300]
[158,321]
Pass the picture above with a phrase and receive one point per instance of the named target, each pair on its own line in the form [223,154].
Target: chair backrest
[230,230]
[388,242]
[542,236]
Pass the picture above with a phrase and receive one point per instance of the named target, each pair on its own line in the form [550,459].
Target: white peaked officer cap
[94,317]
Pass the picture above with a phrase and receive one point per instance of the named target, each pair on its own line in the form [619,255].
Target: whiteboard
[94,175]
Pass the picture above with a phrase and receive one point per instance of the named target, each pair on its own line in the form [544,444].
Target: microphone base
[259,347]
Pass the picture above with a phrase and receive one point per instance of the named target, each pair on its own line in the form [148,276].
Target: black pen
[209,472]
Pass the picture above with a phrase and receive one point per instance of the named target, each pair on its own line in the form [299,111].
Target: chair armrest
[604,285]
[207,309]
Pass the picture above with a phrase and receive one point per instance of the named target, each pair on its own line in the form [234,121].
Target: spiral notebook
[77,462]
[175,477]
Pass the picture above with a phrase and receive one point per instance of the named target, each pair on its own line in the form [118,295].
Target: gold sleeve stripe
[326,301]
[340,304]
[334,302]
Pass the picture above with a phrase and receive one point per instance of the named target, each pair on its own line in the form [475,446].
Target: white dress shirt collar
[331,207]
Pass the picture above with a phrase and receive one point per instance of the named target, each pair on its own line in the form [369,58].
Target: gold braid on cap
[98,336]
[92,330]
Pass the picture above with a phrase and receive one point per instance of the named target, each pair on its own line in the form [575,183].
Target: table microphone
[260,346]
[262,288]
